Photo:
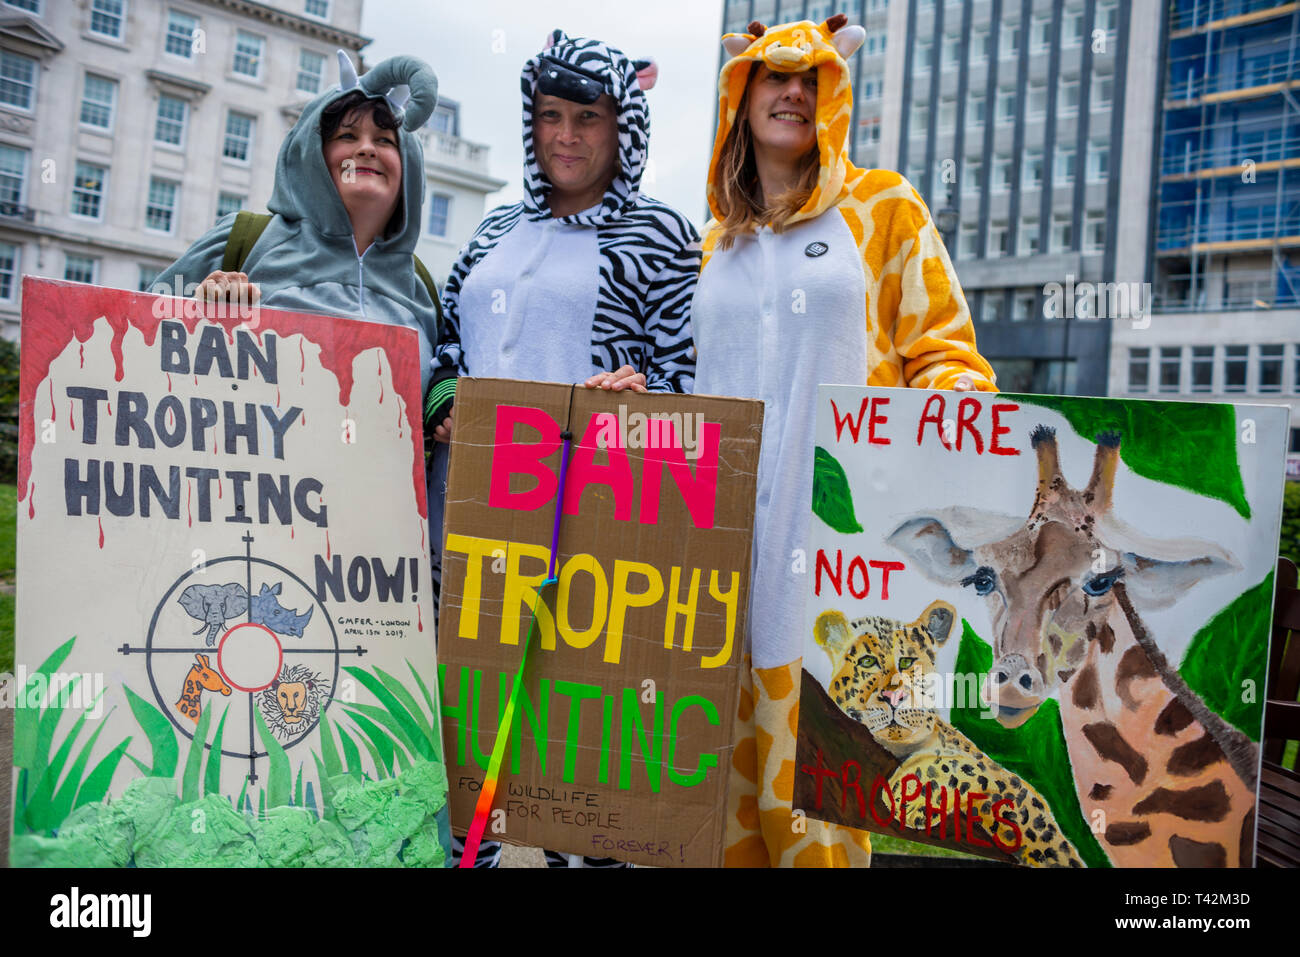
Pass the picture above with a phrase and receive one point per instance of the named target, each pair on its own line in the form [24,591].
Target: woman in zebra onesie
[585,280]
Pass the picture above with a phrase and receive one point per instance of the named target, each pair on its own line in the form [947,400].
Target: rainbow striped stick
[490,780]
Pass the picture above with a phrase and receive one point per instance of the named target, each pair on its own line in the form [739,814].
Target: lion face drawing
[292,703]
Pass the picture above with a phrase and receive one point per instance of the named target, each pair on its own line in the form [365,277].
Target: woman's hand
[228,287]
[964,383]
[618,381]
[442,431]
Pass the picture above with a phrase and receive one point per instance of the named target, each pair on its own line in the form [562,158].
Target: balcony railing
[1273,145]
[10,210]
[1208,11]
[1244,226]
[1250,72]
[447,148]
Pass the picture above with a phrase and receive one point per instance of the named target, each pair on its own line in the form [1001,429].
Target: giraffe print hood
[621,80]
[791,48]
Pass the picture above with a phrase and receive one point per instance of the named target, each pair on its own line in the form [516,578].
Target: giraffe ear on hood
[737,43]
[848,39]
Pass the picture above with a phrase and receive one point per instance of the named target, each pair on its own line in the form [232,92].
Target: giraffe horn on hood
[756,29]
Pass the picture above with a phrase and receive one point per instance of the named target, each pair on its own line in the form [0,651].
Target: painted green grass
[888,844]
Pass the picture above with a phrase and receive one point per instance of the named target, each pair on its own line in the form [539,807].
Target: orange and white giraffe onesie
[856,288]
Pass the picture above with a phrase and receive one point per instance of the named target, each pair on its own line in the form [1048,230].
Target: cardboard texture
[1037,626]
[622,743]
[224,628]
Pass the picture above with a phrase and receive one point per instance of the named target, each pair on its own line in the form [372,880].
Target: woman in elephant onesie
[814,271]
[349,188]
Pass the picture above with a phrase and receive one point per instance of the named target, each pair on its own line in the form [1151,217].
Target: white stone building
[127,127]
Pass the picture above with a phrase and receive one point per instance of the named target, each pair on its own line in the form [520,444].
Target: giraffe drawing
[1165,780]
[201,677]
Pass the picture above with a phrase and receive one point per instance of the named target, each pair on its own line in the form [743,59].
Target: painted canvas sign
[225,639]
[621,739]
[1037,627]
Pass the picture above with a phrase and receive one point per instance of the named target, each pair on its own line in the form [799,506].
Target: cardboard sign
[1037,626]
[224,629]
[621,743]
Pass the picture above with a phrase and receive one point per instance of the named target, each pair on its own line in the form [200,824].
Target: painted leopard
[882,674]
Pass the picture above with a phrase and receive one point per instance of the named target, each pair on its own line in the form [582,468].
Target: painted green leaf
[40,807]
[1036,750]
[26,719]
[329,754]
[212,777]
[297,789]
[433,710]
[381,769]
[194,760]
[278,778]
[64,800]
[832,501]
[412,731]
[400,734]
[1190,445]
[326,791]
[96,784]
[351,753]
[408,702]
[1229,651]
[162,739]
[383,740]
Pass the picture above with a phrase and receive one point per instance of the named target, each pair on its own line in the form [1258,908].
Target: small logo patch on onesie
[813,250]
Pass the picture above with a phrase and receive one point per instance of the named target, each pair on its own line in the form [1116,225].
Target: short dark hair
[332,116]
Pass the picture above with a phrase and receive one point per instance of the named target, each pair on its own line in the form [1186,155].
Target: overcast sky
[478,47]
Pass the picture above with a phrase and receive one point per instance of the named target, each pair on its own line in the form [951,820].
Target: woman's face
[365,163]
[782,112]
[577,147]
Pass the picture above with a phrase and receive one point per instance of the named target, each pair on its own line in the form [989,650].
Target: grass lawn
[8,530]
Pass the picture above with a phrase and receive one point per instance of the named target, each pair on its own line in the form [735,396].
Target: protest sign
[621,743]
[224,628]
[1037,626]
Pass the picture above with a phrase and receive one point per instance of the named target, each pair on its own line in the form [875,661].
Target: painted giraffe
[1173,782]
[201,677]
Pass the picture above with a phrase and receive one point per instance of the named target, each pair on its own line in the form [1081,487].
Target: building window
[1098,162]
[1063,166]
[169,126]
[107,17]
[1031,173]
[145,276]
[923,56]
[161,208]
[993,306]
[248,54]
[1094,232]
[31,6]
[439,213]
[1040,34]
[1037,100]
[17,80]
[228,203]
[13,175]
[311,67]
[979,47]
[1010,40]
[1072,30]
[997,238]
[1171,368]
[1001,174]
[975,109]
[1234,368]
[1103,91]
[181,28]
[80,268]
[1006,105]
[1139,370]
[98,96]
[875,43]
[870,91]
[88,190]
[974,178]
[920,117]
[947,115]
[317,8]
[1027,238]
[1024,305]
[1067,100]
[1062,233]
[1202,368]
[239,137]
[1108,16]
[10,256]
[1270,368]
[967,238]
[951,51]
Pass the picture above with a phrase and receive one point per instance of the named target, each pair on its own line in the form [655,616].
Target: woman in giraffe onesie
[814,271]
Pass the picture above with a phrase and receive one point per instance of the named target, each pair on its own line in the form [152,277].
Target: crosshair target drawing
[272,650]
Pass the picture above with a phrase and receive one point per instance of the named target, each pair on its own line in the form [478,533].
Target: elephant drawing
[213,605]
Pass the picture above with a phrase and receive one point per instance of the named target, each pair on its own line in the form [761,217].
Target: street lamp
[946,220]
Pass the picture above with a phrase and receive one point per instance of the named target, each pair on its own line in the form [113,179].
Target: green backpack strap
[427,279]
[243,235]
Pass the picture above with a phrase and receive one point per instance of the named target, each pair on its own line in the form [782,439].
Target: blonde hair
[739,195]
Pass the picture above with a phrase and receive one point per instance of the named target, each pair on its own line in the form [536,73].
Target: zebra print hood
[633,128]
